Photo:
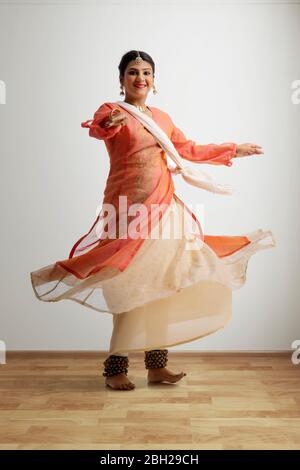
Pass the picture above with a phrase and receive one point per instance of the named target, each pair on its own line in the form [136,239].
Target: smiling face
[137,74]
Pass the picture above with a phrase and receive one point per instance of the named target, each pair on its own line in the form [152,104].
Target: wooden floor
[226,401]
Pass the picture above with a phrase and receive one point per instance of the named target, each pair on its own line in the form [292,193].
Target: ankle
[156,359]
[115,365]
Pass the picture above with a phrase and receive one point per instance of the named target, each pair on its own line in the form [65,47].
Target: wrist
[235,155]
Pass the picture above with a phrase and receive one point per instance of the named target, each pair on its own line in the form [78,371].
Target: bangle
[108,119]
[114,111]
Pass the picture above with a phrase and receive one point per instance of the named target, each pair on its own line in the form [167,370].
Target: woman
[162,291]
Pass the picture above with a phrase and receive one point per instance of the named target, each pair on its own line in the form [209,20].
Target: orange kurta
[143,177]
[104,274]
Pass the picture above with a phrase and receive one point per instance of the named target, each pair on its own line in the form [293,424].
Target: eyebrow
[134,68]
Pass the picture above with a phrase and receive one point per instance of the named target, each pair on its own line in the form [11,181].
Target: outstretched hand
[244,150]
[115,118]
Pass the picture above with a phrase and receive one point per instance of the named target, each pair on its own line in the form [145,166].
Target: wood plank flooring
[58,400]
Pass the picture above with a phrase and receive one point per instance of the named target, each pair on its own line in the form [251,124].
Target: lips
[140,86]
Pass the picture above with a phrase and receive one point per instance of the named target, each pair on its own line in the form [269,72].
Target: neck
[135,102]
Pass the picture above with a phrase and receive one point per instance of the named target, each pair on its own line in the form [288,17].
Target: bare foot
[162,374]
[119,382]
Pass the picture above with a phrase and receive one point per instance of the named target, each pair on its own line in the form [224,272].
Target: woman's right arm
[103,116]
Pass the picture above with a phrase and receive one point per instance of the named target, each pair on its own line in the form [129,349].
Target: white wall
[224,73]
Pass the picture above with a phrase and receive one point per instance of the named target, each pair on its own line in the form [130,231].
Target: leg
[116,369]
[156,361]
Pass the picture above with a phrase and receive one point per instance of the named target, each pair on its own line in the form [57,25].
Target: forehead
[141,66]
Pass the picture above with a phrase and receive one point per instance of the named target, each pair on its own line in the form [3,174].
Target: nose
[140,77]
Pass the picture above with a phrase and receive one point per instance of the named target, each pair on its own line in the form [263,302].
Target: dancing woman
[161,291]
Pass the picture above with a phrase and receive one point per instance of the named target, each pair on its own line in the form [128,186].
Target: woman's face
[137,74]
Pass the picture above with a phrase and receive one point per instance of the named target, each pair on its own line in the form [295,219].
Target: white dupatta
[196,178]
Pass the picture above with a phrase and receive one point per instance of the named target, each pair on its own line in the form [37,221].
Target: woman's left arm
[211,153]
[214,154]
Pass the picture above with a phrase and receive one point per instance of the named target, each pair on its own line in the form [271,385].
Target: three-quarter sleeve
[100,116]
[215,154]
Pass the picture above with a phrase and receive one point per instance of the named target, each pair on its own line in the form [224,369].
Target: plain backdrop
[224,72]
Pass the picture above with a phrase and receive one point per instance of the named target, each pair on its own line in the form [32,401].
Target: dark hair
[131,55]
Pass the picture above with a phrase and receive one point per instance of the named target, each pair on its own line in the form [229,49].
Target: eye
[147,72]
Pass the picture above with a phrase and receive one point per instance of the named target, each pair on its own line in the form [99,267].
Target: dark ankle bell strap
[114,365]
[156,358]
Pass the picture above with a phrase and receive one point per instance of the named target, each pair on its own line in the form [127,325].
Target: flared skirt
[176,289]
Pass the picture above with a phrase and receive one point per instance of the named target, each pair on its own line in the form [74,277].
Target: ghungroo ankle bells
[115,365]
[156,358]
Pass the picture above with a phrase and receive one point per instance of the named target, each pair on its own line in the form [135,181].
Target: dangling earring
[122,92]
[154,90]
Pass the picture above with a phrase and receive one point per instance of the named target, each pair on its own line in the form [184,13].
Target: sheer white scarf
[196,178]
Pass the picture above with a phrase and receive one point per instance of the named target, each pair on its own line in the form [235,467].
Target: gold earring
[122,92]
[154,90]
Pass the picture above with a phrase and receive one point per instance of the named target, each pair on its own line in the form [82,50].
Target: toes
[111,386]
[179,376]
[130,386]
[124,386]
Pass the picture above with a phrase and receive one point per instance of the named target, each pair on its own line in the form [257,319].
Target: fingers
[253,152]
[115,118]
[116,121]
[256,147]
[252,145]
[251,149]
